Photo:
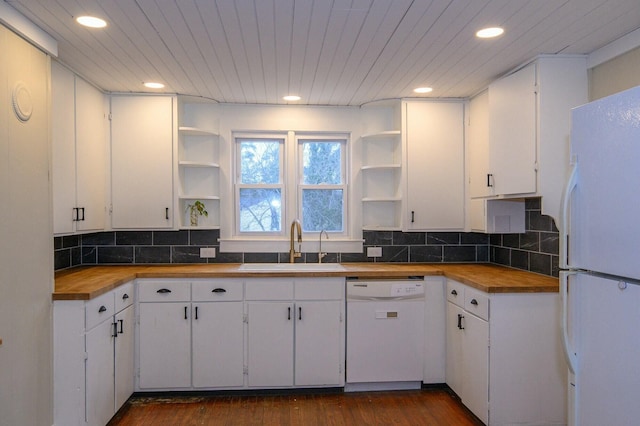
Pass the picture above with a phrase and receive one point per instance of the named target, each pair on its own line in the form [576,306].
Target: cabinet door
[435,165]
[124,344]
[512,132]
[90,157]
[63,154]
[476,366]
[270,344]
[218,344]
[454,366]
[141,161]
[318,348]
[165,345]
[99,374]
[478,147]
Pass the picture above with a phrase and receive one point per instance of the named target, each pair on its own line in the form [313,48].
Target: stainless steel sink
[302,267]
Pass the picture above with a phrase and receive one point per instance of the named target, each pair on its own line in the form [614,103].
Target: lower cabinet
[295,332]
[93,357]
[467,371]
[240,333]
[504,358]
[190,334]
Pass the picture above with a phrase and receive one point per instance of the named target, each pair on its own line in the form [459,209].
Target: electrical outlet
[374,251]
[207,252]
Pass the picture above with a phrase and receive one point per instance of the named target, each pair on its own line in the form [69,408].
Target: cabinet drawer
[455,293]
[99,309]
[319,289]
[124,296]
[476,303]
[269,289]
[216,290]
[164,291]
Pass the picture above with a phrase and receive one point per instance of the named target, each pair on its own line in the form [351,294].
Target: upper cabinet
[381,167]
[412,165]
[198,162]
[79,150]
[433,140]
[142,152]
[512,134]
[523,149]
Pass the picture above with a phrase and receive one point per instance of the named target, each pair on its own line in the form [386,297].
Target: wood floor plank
[432,407]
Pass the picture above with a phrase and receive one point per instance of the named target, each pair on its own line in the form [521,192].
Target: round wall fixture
[21,99]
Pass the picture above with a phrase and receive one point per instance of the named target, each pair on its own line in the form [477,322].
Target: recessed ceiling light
[489,32]
[91,21]
[423,90]
[153,85]
[291,98]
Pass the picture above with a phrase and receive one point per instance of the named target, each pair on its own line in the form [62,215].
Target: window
[272,188]
[260,185]
[322,189]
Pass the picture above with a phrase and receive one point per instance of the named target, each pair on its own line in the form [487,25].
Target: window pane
[322,209]
[260,210]
[322,163]
[260,161]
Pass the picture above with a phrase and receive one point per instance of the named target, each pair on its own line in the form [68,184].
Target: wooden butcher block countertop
[87,282]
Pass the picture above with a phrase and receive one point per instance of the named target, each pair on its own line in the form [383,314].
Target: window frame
[291,180]
[238,138]
[343,139]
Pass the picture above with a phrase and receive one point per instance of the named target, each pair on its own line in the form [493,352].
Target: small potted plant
[195,210]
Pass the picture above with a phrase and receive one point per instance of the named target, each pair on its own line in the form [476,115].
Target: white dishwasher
[385,334]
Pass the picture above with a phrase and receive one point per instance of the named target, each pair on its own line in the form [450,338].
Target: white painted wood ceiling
[329,52]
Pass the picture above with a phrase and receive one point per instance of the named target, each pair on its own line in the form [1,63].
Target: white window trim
[280,244]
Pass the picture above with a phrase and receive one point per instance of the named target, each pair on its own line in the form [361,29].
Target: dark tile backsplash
[536,250]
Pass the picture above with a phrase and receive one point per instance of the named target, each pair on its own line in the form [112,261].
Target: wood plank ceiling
[329,52]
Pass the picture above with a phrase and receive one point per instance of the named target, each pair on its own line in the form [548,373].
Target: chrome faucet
[320,253]
[295,226]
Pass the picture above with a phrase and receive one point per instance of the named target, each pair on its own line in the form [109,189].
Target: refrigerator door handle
[564,216]
[571,357]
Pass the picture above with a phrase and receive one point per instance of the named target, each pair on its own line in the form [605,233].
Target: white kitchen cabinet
[318,349]
[270,344]
[433,141]
[381,166]
[164,334]
[503,349]
[143,131]
[519,131]
[191,334]
[124,354]
[78,153]
[467,370]
[512,133]
[99,367]
[496,216]
[217,329]
[93,357]
[198,161]
[295,334]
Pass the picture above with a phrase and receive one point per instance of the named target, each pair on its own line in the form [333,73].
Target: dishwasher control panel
[385,289]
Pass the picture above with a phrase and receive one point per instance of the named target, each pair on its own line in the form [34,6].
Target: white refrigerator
[600,263]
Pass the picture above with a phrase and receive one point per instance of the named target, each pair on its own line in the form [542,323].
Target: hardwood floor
[420,407]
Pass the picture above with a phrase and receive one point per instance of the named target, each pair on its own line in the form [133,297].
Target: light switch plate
[207,252]
[374,251]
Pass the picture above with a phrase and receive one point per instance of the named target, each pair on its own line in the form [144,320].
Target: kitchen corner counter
[87,282]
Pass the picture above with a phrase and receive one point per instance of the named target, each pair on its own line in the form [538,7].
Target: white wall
[26,244]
